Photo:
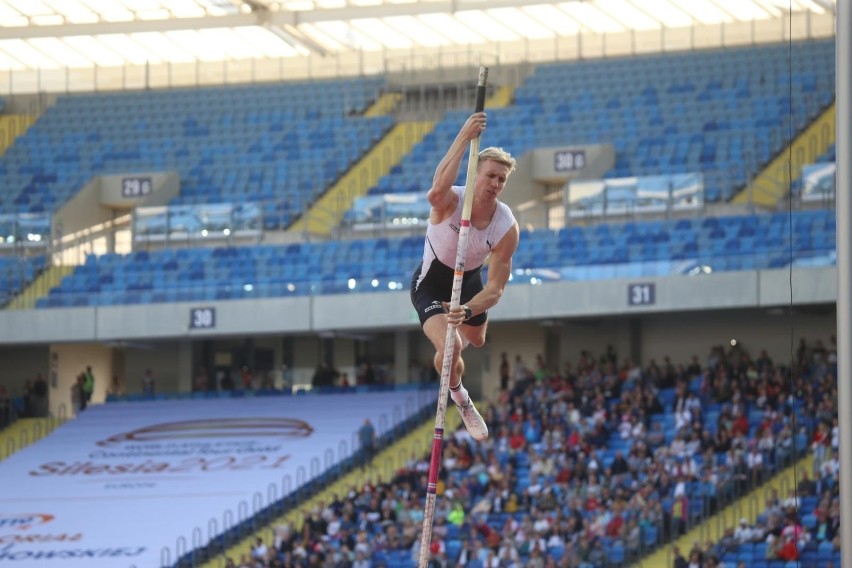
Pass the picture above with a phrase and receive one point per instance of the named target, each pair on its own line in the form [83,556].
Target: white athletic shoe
[473,421]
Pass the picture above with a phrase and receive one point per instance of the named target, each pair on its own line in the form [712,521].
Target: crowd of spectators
[803,525]
[591,465]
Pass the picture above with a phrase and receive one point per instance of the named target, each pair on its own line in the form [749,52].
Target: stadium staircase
[501,98]
[327,212]
[24,432]
[772,183]
[12,126]
[39,288]
[713,528]
[381,469]
[384,105]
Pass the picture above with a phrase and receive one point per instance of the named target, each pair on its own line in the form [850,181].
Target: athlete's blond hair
[498,155]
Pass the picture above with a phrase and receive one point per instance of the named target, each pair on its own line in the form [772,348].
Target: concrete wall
[82,211]
[536,178]
[393,311]
[553,320]
[164,187]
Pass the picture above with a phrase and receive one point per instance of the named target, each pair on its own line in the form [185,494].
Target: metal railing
[35,431]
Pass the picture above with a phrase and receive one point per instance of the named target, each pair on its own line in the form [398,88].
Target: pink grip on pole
[435,464]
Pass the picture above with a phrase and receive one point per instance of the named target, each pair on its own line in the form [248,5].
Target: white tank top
[442,239]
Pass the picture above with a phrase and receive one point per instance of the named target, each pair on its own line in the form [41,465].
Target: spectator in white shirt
[743,532]
[259,550]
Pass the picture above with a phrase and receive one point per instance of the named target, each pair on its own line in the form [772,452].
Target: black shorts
[437,287]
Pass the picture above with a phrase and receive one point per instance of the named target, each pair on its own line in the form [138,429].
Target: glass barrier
[27,230]
[587,199]
[392,210]
[698,265]
[196,222]
[347,279]
[819,182]
[633,227]
[637,195]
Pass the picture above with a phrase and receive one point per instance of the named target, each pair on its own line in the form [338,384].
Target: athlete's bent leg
[435,329]
[473,334]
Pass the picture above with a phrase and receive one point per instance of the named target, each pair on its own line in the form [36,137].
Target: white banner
[116,486]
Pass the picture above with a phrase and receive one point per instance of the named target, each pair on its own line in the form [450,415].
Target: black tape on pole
[480,89]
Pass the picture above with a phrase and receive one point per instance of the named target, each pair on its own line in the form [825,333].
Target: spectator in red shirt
[788,551]
[740,426]
[613,527]
[517,441]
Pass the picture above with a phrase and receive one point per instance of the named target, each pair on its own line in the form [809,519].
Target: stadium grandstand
[210,214]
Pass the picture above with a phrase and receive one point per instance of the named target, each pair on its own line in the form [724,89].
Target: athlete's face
[491,177]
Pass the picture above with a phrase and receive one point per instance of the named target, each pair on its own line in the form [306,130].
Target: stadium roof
[54,34]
